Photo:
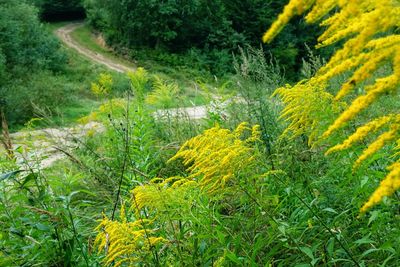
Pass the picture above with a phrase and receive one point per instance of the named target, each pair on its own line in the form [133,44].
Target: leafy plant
[369,43]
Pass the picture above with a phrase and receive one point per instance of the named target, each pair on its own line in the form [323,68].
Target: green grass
[77,76]
[55,25]
[80,72]
[186,78]
[85,37]
[78,109]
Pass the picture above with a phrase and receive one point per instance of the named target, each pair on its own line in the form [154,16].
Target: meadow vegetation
[282,171]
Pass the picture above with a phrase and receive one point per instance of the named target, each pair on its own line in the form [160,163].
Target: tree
[211,26]
[25,47]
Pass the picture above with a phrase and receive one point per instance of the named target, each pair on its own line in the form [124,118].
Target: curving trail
[40,149]
[64,33]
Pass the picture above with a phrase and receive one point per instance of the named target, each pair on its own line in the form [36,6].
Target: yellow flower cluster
[164,94]
[301,110]
[215,157]
[383,139]
[393,121]
[103,86]
[295,7]
[163,195]
[367,26]
[112,106]
[363,53]
[126,242]
[362,102]
[138,80]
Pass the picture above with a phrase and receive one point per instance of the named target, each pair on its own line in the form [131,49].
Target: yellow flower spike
[126,241]
[295,7]
[367,29]
[320,9]
[387,187]
[396,65]
[361,133]
[103,86]
[300,109]
[157,197]
[378,144]
[364,72]
[361,103]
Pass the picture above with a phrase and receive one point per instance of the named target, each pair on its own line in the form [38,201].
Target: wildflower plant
[104,85]
[139,80]
[215,157]
[369,31]
[129,242]
[176,211]
[162,195]
[164,94]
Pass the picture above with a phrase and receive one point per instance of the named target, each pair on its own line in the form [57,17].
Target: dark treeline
[58,10]
[215,28]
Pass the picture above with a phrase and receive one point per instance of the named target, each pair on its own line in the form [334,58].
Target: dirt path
[38,149]
[64,33]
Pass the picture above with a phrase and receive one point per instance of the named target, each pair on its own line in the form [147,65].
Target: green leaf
[330,210]
[369,251]
[364,240]
[364,181]
[308,252]
[233,257]
[331,246]
[9,175]
[374,215]
[42,227]
[28,178]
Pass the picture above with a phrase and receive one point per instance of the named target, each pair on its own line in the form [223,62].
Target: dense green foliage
[209,30]
[25,48]
[38,77]
[291,207]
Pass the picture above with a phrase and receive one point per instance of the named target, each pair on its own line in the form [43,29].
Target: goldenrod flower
[378,144]
[295,7]
[161,195]
[215,157]
[138,79]
[302,109]
[361,133]
[366,26]
[126,242]
[164,93]
[103,86]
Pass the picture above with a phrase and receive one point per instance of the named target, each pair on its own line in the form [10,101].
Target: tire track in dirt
[64,33]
